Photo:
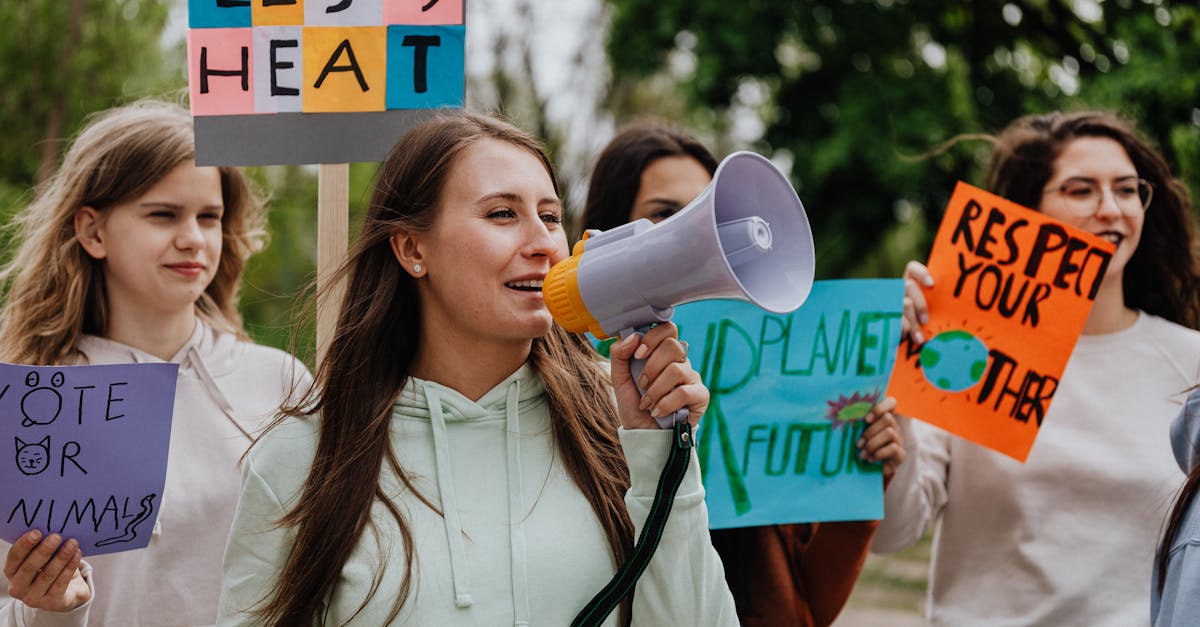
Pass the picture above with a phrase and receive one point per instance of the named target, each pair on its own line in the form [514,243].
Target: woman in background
[1068,537]
[797,574]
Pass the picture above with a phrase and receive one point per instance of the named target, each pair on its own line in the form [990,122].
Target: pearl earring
[417,268]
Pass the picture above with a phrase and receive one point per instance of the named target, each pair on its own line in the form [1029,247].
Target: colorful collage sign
[324,56]
[250,61]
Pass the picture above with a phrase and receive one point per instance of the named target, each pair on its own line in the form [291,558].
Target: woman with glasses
[1068,537]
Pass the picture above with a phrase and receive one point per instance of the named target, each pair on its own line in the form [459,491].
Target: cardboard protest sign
[87,451]
[789,392]
[1013,289]
[318,81]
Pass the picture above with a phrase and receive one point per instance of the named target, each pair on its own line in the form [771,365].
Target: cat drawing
[33,458]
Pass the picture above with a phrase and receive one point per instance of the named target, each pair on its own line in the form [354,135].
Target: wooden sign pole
[333,235]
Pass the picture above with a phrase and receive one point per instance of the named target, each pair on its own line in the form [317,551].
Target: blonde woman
[129,254]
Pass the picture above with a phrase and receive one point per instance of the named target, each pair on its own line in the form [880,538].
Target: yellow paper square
[350,64]
[265,14]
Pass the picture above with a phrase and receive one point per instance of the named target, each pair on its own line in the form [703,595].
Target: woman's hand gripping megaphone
[653,380]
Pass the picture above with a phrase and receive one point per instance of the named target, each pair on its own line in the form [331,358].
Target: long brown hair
[1162,276]
[56,290]
[618,171]
[368,362]
[1184,501]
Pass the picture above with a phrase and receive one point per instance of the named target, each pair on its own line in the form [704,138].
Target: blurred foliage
[61,61]
[859,96]
[863,96]
[273,292]
[65,59]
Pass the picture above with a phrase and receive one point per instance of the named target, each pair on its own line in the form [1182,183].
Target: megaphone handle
[635,369]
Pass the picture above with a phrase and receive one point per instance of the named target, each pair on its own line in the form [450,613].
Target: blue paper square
[219,14]
[425,66]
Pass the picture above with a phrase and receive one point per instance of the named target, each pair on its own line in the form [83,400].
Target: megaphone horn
[746,237]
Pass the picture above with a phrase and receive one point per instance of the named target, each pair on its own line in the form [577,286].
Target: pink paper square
[440,12]
[222,51]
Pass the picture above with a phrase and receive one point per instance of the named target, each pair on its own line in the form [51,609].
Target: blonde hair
[56,291]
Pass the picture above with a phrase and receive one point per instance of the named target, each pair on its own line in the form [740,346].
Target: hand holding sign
[916,312]
[880,440]
[44,576]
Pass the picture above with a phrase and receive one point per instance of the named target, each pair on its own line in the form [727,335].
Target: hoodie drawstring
[214,391]
[516,501]
[516,508]
[454,533]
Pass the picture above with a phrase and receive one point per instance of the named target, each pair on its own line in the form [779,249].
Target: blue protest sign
[789,394]
[87,451]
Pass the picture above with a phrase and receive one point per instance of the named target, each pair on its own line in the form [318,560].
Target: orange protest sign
[1012,291]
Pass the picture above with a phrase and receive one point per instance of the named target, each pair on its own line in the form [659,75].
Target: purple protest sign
[87,451]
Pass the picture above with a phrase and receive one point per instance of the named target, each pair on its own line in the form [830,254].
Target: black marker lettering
[205,71]
[353,67]
[276,64]
[421,43]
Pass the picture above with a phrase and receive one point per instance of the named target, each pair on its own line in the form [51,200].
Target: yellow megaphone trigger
[561,293]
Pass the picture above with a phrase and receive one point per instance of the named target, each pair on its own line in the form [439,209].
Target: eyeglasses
[1084,197]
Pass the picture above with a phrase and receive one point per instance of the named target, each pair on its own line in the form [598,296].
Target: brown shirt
[793,575]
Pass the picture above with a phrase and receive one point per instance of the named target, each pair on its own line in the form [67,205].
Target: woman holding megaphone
[798,574]
[461,459]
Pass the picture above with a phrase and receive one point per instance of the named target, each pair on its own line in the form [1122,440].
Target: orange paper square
[350,66]
[264,14]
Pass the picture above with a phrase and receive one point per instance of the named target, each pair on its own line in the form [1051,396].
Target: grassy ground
[890,591]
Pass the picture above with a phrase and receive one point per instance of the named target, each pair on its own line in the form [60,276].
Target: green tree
[273,292]
[860,94]
[1153,81]
[62,60]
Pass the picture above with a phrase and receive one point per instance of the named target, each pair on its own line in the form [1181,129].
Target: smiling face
[667,185]
[496,232]
[1103,161]
[161,250]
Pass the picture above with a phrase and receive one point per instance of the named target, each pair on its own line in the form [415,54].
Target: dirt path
[891,591]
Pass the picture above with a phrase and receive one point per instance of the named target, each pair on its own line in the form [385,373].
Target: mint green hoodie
[519,544]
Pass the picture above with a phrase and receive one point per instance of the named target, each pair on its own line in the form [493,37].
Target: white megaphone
[746,237]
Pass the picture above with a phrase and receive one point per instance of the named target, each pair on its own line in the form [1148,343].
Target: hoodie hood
[413,402]
[205,356]
[215,350]
[1185,433]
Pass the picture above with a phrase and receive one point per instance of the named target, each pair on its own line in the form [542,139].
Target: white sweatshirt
[519,545]
[1068,537]
[226,390]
